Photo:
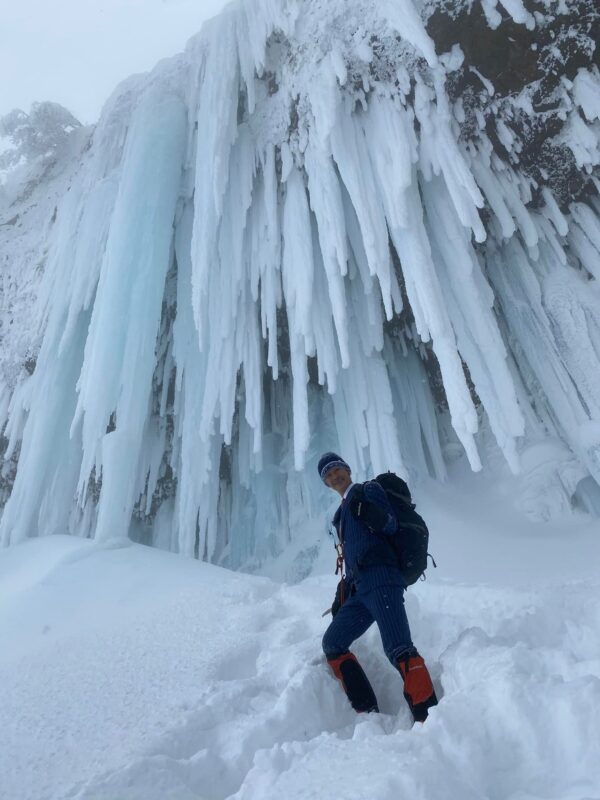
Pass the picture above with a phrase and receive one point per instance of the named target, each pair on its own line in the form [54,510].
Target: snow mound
[131,673]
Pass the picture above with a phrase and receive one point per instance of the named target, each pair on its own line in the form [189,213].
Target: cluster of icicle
[222,299]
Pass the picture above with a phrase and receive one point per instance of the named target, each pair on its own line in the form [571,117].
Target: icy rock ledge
[297,235]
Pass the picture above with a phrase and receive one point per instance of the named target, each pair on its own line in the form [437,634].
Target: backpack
[412,538]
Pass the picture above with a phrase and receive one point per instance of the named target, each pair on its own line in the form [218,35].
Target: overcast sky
[74,52]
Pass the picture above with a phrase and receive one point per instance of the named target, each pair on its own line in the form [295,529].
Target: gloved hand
[373,516]
[348,591]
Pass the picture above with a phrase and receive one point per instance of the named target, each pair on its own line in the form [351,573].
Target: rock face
[365,226]
[530,64]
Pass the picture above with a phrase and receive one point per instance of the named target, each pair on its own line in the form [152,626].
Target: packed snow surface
[129,673]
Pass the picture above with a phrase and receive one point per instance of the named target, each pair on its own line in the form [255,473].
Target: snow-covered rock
[355,225]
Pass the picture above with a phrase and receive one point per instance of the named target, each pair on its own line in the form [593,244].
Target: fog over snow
[74,52]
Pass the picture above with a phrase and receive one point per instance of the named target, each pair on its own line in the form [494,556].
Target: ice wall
[281,242]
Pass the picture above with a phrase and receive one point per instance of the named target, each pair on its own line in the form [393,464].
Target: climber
[372,590]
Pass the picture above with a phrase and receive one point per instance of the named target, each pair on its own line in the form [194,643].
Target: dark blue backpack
[411,540]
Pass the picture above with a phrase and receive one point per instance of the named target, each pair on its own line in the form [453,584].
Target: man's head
[334,472]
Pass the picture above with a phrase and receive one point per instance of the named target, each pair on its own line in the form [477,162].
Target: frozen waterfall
[281,242]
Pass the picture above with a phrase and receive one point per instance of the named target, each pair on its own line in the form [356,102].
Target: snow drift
[129,673]
[297,235]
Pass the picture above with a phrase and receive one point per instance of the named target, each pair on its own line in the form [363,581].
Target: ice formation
[282,241]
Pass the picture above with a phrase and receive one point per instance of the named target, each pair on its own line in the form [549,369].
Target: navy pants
[381,604]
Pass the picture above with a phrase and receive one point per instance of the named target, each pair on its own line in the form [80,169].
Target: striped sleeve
[374,493]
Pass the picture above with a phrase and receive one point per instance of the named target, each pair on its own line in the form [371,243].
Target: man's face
[338,479]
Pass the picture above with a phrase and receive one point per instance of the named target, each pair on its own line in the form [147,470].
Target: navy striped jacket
[369,561]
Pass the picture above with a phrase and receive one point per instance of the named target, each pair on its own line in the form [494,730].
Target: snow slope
[128,673]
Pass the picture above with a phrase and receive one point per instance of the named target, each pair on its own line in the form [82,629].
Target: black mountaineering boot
[418,688]
[356,684]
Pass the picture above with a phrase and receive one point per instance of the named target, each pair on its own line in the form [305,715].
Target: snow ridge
[136,675]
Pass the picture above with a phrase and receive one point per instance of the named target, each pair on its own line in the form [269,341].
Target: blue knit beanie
[330,461]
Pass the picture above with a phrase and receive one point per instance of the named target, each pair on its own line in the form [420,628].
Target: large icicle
[116,369]
[295,237]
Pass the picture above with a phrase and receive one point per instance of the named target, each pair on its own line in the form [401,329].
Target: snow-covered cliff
[355,225]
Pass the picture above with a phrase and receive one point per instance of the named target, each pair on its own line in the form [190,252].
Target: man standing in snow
[371,591]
